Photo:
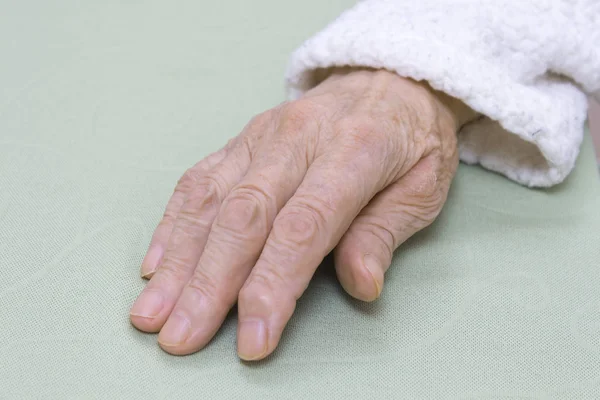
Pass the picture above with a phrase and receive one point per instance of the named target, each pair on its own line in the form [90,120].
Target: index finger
[305,231]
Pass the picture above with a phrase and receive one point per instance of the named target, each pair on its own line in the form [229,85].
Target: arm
[524,65]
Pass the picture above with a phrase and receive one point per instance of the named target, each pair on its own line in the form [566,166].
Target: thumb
[410,204]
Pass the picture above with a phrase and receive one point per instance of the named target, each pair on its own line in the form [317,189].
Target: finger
[160,238]
[365,252]
[187,239]
[235,241]
[303,233]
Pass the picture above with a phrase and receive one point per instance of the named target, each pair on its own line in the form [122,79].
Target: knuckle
[320,204]
[266,284]
[244,212]
[214,182]
[207,193]
[262,190]
[262,281]
[191,225]
[423,215]
[413,214]
[198,208]
[172,269]
[199,192]
[246,143]
[169,217]
[172,210]
[419,212]
[188,179]
[206,287]
[298,227]
[380,228]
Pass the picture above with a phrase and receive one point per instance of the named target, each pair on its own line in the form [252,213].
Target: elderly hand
[360,163]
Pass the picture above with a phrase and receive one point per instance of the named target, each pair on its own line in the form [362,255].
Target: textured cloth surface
[522,63]
[103,106]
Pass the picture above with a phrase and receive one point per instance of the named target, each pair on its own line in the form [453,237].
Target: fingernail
[252,339]
[148,305]
[176,330]
[151,261]
[374,268]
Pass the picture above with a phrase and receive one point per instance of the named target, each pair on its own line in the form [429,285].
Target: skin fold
[356,166]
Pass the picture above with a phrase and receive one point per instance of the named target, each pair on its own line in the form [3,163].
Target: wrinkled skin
[357,165]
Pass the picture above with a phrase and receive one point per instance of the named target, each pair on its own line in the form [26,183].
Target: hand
[360,163]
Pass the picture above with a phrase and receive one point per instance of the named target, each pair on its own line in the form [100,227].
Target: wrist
[420,92]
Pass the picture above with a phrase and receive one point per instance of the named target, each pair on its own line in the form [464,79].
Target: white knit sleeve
[525,65]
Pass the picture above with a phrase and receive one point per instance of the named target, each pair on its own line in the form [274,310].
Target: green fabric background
[104,104]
